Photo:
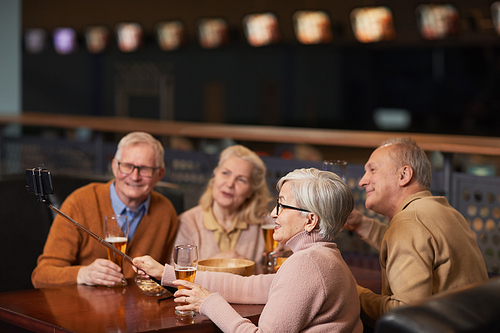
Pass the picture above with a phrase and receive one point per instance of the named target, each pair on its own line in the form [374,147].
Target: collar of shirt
[226,239]
[121,209]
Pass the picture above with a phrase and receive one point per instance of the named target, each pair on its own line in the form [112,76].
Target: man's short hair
[407,152]
[135,138]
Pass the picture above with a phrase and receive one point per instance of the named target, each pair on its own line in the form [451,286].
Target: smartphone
[39,181]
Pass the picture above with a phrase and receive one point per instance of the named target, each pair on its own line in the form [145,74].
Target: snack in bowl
[149,287]
[242,267]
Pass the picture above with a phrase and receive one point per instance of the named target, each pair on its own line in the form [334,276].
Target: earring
[307,232]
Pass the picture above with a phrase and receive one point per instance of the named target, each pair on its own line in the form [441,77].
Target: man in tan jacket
[428,246]
[71,256]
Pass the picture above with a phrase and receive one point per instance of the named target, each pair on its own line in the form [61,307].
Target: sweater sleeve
[376,234]
[408,270]
[233,288]
[225,316]
[56,265]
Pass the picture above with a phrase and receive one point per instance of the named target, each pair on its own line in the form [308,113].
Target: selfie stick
[42,197]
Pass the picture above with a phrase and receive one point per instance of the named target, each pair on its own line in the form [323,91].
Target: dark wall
[449,87]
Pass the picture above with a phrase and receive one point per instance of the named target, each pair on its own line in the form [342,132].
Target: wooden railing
[326,137]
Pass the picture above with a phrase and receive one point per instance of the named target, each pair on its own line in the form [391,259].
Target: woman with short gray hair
[318,191]
[313,290]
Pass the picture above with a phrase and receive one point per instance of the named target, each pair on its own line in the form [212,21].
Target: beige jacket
[427,248]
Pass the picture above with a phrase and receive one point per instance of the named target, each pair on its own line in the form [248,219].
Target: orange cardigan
[68,248]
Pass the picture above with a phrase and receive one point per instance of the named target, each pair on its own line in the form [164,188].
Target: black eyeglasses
[278,205]
[144,171]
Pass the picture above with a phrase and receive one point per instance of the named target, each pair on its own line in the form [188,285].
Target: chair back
[24,226]
[474,308]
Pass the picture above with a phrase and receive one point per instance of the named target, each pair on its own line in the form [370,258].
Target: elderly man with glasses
[70,256]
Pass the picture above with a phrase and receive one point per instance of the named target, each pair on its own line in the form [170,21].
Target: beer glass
[268,232]
[116,234]
[185,264]
[338,167]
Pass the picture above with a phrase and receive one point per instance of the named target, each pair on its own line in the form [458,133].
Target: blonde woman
[226,222]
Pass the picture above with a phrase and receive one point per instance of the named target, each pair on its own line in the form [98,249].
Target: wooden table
[78,308]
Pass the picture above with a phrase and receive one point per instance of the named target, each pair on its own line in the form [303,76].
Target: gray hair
[324,194]
[135,138]
[407,152]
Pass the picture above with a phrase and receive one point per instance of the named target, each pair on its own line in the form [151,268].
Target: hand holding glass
[185,265]
[116,234]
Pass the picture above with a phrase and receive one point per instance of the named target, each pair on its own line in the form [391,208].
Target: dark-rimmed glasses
[144,171]
[278,205]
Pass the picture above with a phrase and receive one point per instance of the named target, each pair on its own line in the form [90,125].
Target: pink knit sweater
[313,291]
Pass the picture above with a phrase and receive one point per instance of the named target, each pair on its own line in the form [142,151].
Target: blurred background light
[35,40]
[495,15]
[129,36]
[213,32]
[437,21]
[372,24]
[261,29]
[312,27]
[64,40]
[389,119]
[170,34]
[96,38]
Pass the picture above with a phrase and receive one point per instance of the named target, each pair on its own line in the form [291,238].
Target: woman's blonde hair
[253,209]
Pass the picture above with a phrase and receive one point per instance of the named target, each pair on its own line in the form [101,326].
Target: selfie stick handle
[99,239]
[106,244]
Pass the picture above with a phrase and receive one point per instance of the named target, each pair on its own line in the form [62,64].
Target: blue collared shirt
[121,209]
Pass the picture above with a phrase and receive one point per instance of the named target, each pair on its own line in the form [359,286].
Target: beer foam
[116,239]
[185,269]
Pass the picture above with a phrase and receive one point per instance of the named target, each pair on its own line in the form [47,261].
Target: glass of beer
[338,167]
[116,234]
[185,265]
[268,231]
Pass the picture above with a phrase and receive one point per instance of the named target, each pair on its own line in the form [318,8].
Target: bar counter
[79,308]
